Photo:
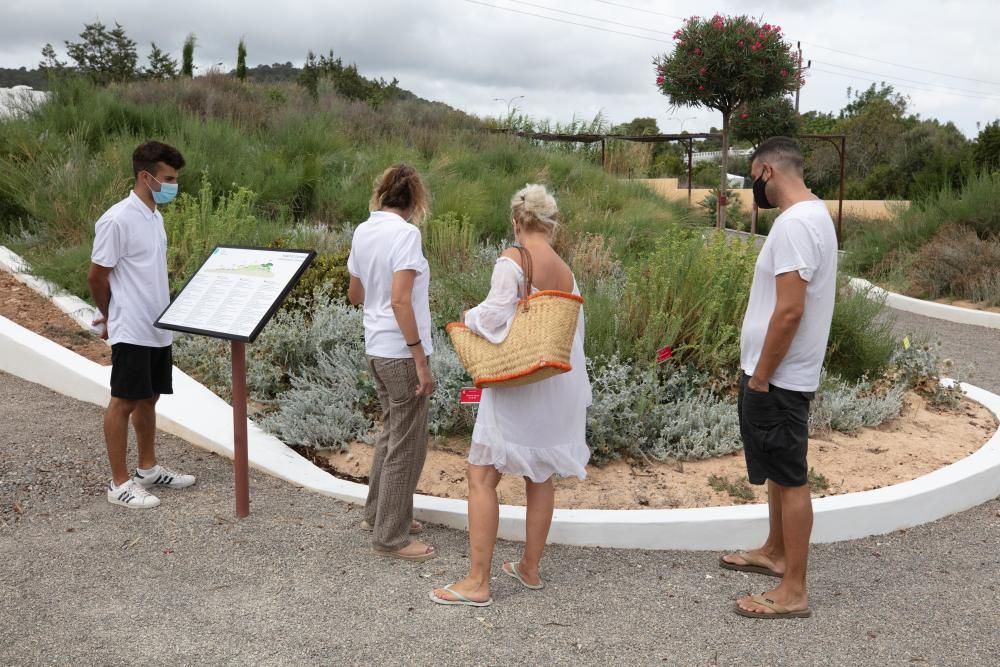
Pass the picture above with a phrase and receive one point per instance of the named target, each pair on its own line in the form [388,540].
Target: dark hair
[401,187]
[148,156]
[781,150]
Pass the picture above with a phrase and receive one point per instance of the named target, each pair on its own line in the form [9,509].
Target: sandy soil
[23,305]
[970,305]
[920,441]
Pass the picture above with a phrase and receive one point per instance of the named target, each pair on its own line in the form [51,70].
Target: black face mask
[760,194]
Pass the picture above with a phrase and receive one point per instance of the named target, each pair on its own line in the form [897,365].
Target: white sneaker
[131,494]
[163,476]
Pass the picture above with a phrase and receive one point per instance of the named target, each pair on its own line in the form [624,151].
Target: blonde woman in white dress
[534,431]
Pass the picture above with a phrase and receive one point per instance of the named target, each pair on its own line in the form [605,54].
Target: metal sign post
[241,468]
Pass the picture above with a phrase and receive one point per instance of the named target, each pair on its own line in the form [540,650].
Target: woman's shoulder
[510,257]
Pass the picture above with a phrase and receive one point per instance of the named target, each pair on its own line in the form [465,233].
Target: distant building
[19,99]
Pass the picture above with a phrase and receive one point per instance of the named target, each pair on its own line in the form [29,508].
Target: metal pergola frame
[838,141]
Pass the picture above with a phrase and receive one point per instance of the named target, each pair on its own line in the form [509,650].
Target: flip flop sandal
[512,572]
[777,611]
[415,528]
[460,600]
[753,565]
[431,553]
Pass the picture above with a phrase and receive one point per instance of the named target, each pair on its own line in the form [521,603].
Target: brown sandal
[777,611]
[427,555]
[415,528]
[752,565]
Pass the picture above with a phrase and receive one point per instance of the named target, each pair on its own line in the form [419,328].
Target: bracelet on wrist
[414,344]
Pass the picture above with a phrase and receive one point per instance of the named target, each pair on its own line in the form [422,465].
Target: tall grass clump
[886,251]
[691,294]
[196,223]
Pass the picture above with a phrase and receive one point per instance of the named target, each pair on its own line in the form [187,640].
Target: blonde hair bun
[535,207]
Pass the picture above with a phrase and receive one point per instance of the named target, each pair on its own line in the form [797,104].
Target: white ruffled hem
[536,463]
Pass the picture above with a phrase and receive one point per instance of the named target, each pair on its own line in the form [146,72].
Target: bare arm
[100,291]
[406,319]
[356,292]
[791,302]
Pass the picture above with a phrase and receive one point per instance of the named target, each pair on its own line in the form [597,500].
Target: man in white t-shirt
[782,348]
[128,282]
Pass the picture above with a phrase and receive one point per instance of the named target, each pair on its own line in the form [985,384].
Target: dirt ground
[971,305]
[23,305]
[920,441]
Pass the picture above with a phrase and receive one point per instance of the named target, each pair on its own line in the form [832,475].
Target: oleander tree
[722,63]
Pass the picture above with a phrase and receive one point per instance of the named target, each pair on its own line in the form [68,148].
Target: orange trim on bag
[520,374]
[551,292]
[554,292]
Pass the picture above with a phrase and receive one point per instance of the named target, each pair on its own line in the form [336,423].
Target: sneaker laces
[168,474]
[138,491]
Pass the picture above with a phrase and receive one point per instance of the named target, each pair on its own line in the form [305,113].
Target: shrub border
[197,415]
[939,311]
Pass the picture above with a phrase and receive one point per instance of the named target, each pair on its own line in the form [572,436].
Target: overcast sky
[467,53]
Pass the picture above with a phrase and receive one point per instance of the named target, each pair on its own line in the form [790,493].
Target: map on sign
[235,292]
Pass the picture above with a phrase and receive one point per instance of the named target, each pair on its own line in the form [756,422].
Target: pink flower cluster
[718,22]
[678,34]
[660,80]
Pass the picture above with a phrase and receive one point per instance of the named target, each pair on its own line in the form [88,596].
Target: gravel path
[83,582]
[975,351]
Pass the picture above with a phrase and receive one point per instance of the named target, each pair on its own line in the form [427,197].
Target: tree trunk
[721,202]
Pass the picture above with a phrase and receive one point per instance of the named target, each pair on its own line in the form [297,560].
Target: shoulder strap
[528,269]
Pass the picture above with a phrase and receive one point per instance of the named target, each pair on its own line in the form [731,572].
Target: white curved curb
[940,311]
[199,416]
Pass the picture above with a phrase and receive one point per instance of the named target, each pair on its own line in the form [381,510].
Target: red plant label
[470,396]
[664,354]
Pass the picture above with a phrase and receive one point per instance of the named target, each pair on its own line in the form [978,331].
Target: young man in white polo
[782,348]
[128,281]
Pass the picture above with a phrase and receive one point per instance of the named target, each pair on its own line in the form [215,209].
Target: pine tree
[104,56]
[309,76]
[50,61]
[161,66]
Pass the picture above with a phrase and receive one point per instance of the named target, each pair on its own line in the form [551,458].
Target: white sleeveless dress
[536,430]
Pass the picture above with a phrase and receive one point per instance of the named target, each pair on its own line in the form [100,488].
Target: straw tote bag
[538,345]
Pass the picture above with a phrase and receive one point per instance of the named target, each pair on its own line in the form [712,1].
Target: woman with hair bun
[534,431]
[391,277]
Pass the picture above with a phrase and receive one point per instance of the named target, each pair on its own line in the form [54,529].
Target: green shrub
[327,275]
[738,489]
[861,335]
[691,294]
[195,224]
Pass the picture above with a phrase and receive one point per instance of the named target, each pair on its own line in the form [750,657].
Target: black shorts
[139,372]
[774,426]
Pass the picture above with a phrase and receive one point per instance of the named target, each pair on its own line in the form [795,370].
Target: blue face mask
[166,193]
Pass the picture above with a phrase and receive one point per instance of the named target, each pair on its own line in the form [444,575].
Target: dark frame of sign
[309,255]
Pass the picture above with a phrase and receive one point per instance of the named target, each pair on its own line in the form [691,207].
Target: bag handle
[528,269]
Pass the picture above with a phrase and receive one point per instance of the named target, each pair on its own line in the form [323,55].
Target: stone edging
[197,415]
[939,311]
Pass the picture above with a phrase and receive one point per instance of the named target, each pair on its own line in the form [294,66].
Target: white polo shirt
[802,239]
[130,239]
[383,245]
